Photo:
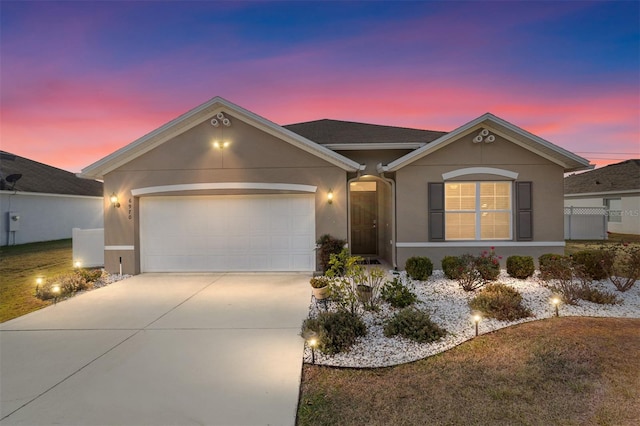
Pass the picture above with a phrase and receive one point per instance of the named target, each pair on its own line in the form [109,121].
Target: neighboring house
[616,187]
[223,189]
[43,203]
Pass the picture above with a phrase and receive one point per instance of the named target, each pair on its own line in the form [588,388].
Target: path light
[39,281]
[77,264]
[556,301]
[56,291]
[476,320]
[311,338]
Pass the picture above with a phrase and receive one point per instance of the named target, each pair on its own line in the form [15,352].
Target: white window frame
[478,212]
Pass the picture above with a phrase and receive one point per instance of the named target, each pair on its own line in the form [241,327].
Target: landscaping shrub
[593,263]
[336,331]
[554,266]
[319,282]
[340,263]
[594,295]
[415,325]
[397,294]
[450,266]
[67,285]
[90,275]
[622,265]
[521,267]
[501,302]
[328,246]
[488,265]
[419,268]
[468,275]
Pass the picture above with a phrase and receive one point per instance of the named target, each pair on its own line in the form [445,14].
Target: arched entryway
[371,218]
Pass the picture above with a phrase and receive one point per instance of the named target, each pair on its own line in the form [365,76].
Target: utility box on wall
[14,221]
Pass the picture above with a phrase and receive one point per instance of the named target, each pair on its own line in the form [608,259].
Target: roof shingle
[327,131]
[624,176]
[38,177]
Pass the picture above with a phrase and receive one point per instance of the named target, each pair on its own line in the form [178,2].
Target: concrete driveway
[160,349]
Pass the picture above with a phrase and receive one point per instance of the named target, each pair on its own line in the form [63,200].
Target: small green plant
[340,263]
[450,267]
[488,265]
[415,325]
[397,294]
[328,245]
[419,268]
[499,301]
[593,263]
[319,282]
[521,267]
[336,331]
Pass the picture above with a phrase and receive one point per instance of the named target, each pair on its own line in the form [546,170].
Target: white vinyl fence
[585,223]
[88,247]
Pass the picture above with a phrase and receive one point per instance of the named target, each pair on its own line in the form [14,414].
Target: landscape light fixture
[114,200]
[77,264]
[476,320]
[556,301]
[311,338]
[56,291]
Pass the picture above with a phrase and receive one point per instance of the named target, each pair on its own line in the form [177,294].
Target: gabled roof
[569,161]
[336,134]
[202,113]
[41,178]
[624,176]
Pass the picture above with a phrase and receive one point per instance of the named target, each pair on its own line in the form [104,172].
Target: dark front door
[364,226]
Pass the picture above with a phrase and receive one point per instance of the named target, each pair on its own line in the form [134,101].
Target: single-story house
[616,187]
[44,203]
[223,189]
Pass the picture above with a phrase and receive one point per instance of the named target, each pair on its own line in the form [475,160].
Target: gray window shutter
[524,211]
[436,211]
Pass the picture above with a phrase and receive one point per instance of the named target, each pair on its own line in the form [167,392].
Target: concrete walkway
[160,349]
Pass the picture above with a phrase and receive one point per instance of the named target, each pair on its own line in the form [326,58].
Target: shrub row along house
[223,189]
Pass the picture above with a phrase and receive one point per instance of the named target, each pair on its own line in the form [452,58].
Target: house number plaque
[130,208]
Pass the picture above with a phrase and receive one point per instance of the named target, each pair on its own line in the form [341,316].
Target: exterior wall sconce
[220,145]
[330,196]
[114,201]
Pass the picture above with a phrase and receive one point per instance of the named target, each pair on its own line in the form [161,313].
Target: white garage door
[227,233]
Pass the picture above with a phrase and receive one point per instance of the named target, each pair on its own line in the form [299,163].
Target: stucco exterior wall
[46,217]
[252,156]
[412,203]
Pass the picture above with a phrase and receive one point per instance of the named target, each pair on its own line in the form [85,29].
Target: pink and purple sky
[80,79]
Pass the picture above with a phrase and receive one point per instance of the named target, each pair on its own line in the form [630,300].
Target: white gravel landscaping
[448,306]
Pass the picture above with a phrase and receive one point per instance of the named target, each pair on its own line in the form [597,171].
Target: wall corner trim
[479,170]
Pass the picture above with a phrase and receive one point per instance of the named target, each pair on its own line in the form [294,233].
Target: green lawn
[20,266]
[558,371]
[573,246]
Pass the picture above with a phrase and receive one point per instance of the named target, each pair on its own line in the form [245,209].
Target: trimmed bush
[415,325]
[594,295]
[469,277]
[450,266]
[419,268]
[488,265]
[501,302]
[90,275]
[521,267]
[592,262]
[622,265]
[554,266]
[66,285]
[336,331]
[397,294]
[328,246]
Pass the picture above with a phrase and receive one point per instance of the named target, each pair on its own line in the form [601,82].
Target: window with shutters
[478,211]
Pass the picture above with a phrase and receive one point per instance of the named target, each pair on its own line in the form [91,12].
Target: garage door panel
[228,233]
